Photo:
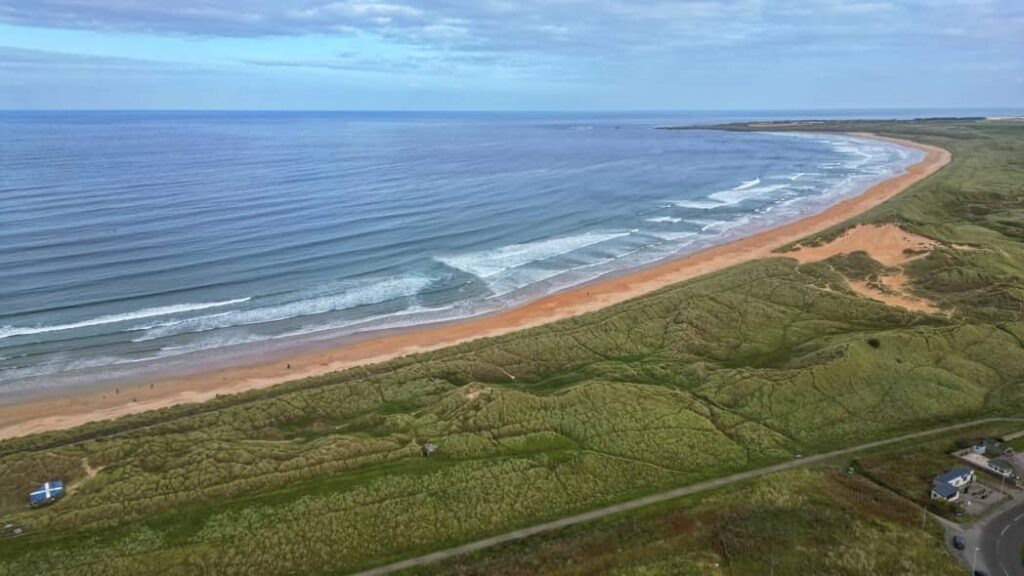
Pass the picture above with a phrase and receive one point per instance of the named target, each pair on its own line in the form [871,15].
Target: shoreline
[69,410]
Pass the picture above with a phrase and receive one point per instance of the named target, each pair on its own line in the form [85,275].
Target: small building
[429,448]
[1001,467]
[945,491]
[993,447]
[957,477]
[46,494]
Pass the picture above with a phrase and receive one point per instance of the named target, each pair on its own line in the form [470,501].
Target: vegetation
[797,522]
[731,371]
[908,469]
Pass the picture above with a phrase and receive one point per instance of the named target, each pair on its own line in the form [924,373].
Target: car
[980,573]
[959,543]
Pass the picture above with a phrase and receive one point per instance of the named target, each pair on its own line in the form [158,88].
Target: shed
[429,448]
[46,494]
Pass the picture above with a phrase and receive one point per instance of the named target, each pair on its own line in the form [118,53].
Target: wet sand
[73,409]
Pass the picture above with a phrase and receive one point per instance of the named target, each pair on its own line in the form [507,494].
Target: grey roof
[995,444]
[1000,463]
[947,477]
[945,490]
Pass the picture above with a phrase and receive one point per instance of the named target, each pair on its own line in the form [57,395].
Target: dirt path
[656,498]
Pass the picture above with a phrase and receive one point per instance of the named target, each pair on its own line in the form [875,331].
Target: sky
[511,55]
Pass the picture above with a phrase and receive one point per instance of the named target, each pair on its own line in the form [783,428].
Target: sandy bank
[38,415]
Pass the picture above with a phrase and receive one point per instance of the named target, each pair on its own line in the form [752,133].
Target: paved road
[1001,540]
[660,497]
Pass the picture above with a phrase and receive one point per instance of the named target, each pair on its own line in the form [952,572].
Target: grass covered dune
[738,369]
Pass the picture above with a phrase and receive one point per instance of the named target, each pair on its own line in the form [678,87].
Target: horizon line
[524,110]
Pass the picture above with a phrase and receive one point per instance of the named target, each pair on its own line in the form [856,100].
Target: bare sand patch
[888,244]
[889,290]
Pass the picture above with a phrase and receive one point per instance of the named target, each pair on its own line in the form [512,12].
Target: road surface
[1001,539]
[661,497]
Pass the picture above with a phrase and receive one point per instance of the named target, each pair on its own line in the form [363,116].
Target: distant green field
[731,371]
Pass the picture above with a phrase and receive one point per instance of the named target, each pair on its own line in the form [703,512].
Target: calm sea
[133,242]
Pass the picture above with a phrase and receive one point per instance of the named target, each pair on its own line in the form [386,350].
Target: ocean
[138,243]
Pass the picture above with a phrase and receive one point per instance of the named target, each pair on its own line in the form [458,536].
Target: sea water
[146,241]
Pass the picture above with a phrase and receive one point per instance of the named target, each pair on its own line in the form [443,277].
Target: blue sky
[511,55]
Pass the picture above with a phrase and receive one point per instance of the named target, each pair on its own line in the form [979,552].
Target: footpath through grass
[729,372]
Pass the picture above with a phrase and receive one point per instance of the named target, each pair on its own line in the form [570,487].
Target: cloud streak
[496,25]
[633,47]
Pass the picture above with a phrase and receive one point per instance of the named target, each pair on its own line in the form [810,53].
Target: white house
[947,486]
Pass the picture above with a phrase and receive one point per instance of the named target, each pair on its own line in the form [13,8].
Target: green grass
[816,521]
[728,372]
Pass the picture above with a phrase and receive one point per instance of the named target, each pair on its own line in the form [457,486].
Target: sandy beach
[73,409]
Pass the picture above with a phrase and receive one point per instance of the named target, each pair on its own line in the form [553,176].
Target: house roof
[995,444]
[945,490]
[951,475]
[1000,463]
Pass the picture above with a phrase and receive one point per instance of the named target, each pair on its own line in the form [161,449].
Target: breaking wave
[489,263]
[11,331]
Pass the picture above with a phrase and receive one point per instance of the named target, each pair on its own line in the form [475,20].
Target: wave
[489,263]
[706,225]
[11,331]
[696,204]
[748,184]
[671,219]
[737,195]
[212,342]
[374,292]
[673,236]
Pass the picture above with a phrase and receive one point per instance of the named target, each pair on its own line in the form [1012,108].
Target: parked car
[959,543]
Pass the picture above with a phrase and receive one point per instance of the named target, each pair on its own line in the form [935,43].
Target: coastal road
[675,493]
[1001,540]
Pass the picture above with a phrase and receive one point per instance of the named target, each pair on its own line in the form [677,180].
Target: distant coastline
[98,403]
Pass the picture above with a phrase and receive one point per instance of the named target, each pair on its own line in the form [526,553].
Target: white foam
[671,219]
[672,236]
[11,331]
[748,184]
[372,292]
[706,225]
[212,342]
[696,204]
[490,263]
[737,195]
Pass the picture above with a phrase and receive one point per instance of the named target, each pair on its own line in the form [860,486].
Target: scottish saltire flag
[47,493]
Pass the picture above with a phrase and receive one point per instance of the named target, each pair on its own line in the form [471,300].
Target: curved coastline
[99,403]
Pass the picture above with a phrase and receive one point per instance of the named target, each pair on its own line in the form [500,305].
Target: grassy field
[834,517]
[818,521]
[732,371]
